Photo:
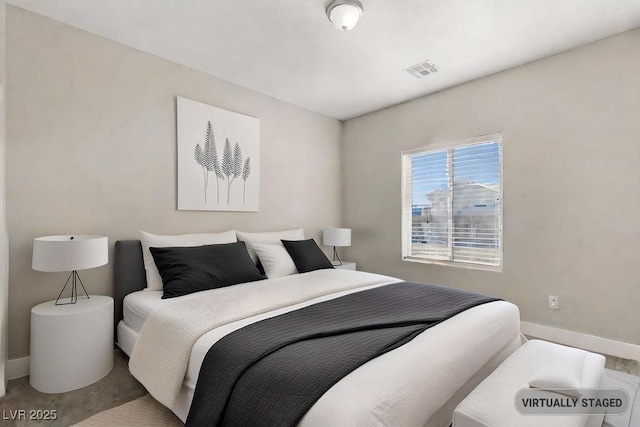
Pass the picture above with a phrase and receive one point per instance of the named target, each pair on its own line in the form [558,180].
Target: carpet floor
[630,384]
[144,411]
[72,407]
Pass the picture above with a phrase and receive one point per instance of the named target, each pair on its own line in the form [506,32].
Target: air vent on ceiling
[422,69]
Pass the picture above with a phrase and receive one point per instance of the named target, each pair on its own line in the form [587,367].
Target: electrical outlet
[554,302]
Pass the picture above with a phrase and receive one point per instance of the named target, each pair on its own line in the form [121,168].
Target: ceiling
[289,50]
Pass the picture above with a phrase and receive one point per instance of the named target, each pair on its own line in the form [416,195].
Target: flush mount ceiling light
[344,14]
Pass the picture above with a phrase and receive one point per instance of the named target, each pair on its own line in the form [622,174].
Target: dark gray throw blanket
[271,372]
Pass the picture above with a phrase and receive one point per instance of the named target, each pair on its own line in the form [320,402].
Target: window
[452,203]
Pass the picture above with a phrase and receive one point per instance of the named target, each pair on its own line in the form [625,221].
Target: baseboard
[17,368]
[593,343]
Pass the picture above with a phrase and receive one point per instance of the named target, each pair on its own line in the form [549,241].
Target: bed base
[128,276]
[127,338]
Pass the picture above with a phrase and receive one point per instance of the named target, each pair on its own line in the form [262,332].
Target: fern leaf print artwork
[213,163]
[227,166]
[216,144]
[237,167]
[245,174]
[199,155]
[207,158]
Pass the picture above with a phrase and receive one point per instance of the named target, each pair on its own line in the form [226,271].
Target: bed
[419,383]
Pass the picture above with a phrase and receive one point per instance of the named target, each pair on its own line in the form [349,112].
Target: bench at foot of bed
[546,365]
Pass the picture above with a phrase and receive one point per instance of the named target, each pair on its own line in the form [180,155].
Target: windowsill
[468,266]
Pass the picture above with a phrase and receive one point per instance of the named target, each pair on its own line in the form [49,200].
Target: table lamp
[332,236]
[70,253]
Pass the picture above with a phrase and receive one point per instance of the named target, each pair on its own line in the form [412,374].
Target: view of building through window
[456,203]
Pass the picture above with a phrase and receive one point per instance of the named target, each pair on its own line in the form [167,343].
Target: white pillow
[563,371]
[269,237]
[148,240]
[275,259]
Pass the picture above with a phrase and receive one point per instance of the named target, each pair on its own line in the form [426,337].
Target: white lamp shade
[344,14]
[332,236]
[68,253]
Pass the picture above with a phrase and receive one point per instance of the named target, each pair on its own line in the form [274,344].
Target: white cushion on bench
[492,403]
[563,369]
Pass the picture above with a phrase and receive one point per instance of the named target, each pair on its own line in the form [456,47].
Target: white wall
[571,146]
[91,148]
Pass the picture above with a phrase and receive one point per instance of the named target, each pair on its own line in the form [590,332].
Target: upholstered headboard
[129,274]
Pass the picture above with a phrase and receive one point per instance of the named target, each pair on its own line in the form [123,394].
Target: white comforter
[406,386]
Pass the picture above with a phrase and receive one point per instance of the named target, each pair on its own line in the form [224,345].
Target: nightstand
[71,345]
[346,265]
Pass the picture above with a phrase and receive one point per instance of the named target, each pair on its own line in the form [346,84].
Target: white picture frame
[218,158]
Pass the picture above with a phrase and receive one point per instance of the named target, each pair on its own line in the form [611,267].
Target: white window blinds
[452,203]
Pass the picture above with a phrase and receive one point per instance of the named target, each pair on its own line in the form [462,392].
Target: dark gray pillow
[306,255]
[185,270]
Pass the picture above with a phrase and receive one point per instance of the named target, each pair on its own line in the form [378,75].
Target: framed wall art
[218,159]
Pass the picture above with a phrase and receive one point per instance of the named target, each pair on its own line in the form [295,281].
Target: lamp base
[75,278]
[336,257]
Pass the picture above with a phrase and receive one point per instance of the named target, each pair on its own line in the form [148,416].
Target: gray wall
[91,148]
[571,127]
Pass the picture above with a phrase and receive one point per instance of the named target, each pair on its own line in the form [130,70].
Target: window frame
[407,213]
